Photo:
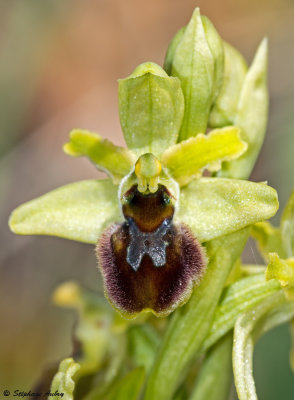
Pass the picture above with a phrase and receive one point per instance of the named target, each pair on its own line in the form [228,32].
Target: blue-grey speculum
[150,243]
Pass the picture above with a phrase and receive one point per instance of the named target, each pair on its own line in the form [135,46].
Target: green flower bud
[168,61]
[225,108]
[196,57]
[251,116]
[63,381]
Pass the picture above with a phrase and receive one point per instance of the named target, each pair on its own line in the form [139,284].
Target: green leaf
[78,211]
[151,108]
[251,115]
[115,161]
[277,316]
[63,380]
[268,239]
[287,226]
[292,343]
[198,63]
[224,110]
[128,388]
[236,299]
[214,207]
[214,379]
[244,344]
[190,324]
[186,160]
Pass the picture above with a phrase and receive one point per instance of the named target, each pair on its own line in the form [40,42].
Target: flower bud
[196,57]
[225,108]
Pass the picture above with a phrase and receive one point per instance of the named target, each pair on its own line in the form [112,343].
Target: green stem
[189,325]
[215,377]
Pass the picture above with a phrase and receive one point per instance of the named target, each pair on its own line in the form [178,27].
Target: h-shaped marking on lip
[151,243]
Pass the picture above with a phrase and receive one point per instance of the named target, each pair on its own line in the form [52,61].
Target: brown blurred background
[59,65]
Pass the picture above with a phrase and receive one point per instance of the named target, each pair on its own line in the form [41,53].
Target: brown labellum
[148,263]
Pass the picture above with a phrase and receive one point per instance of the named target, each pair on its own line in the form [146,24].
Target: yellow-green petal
[214,207]
[78,211]
[198,63]
[251,115]
[225,108]
[114,160]
[151,108]
[187,159]
[63,381]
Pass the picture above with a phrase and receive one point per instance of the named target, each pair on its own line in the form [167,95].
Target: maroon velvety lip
[159,289]
[148,263]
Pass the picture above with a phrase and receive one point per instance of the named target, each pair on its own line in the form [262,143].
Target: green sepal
[78,211]
[129,387]
[114,160]
[287,226]
[268,238]
[190,324]
[215,377]
[187,159]
[214,207]
[63,381]
[251,115]
[198,62]
[224,110]
[151,108]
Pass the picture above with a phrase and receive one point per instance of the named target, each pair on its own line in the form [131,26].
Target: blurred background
[59,65]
